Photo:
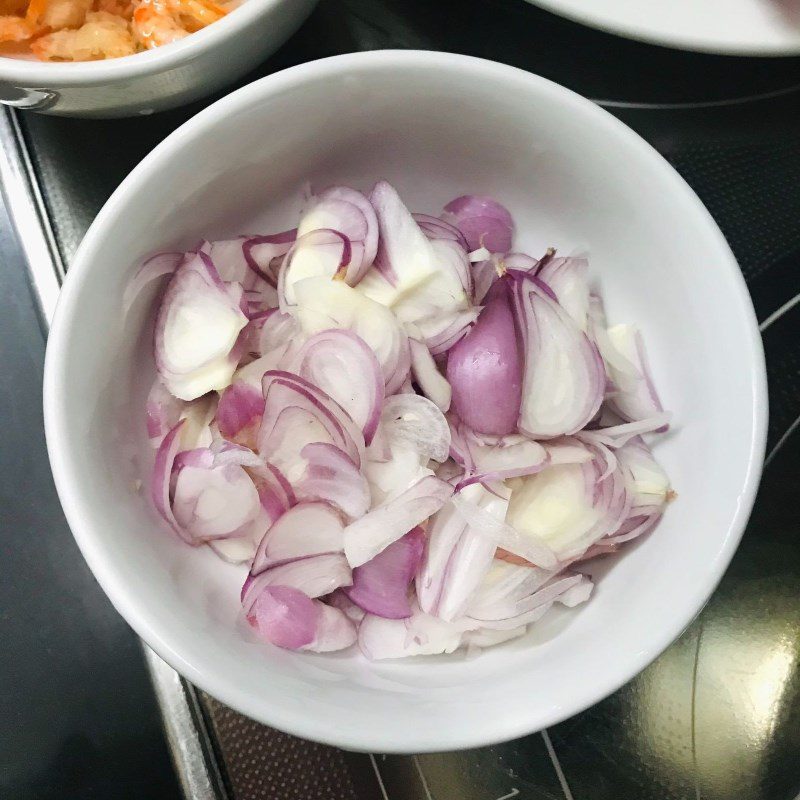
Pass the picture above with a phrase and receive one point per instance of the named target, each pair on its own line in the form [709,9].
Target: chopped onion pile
[410,435]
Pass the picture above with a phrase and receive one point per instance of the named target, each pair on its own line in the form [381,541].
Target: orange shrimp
[196,14]
[159,22]
[153,25]
[15,29]
[58,14]
[36,9]
[103,35]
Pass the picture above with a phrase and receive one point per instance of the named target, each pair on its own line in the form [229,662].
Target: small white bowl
[157,79]
[436,125]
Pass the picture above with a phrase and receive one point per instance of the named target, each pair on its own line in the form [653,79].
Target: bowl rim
[156,633]
[44,74]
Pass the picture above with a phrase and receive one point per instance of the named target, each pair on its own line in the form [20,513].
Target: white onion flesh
[307,529]
[323,304]
[564,378]
[567,277]
[391,475]
[409,420]
[426,374]
[456,560]
[197,327]
[374,532]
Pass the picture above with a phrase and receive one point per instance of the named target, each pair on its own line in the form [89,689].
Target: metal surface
[22,195]
[718,715]
[186,732]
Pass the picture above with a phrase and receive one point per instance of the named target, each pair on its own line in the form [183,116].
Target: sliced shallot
[307,529]
[153,268]
[485,368]
[648,487]
[635,397]
[426,374]
[347,211]
[288,618]
[342,364]
[239,412]
[332,476]
[456,560]
[162,411]
[564,378]
[416,422]
[323,304]
[381,585]
[374,532]
[322,252]
[298,413]
[197,328]
[494,458]
[316,576]
[570,506]
[435,228]
[421,634]
[217,502]
[405,256]
[160,480]
[487,514]
[482,220]
[567,278]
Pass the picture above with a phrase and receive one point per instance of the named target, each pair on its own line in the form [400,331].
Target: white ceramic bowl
[155,79]
[436,125]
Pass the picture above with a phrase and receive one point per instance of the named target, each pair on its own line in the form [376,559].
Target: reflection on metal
[556,765]
[747,693]
[777,446]
[660,731]
[187,735]
[732,101]
[30,99]
[29,217]
[766,686]
[776,315]
[422,778]
[378,777]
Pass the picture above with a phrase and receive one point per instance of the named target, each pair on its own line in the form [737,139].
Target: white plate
[733,27]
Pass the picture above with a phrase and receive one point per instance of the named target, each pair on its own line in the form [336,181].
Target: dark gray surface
[77,715]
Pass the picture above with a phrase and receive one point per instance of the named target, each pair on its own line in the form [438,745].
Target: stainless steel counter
[718,715]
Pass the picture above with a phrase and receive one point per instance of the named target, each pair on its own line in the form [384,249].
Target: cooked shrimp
[153,25]
[196,14]
[15,29]
[103,35]
[74,32]
[159,22]
[58,14]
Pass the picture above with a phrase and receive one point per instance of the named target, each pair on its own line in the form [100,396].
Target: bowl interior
[436,126]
